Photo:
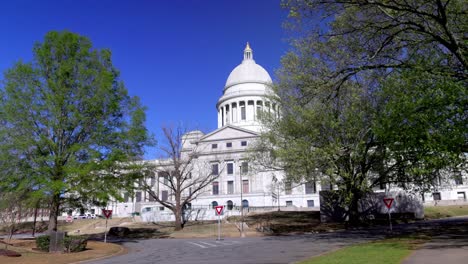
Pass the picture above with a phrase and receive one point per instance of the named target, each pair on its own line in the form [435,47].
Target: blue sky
[175,55]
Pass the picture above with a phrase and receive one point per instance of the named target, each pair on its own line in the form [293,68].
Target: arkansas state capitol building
[245,94]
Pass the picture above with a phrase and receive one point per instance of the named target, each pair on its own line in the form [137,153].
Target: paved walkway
[447,249]
[449,244]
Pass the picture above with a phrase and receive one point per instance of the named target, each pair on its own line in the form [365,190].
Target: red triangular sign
[219,209]
[388,202]
[107,213]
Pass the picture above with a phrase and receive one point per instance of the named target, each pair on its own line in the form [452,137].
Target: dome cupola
[245,94]
[248,71]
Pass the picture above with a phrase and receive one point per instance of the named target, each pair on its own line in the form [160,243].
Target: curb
[122,251]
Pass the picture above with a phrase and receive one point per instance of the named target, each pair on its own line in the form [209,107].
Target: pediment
[229,132]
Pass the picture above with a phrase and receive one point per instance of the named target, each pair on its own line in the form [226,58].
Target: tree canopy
[68,125]
[373,92]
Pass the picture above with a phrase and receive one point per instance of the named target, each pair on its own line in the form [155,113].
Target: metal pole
[105,232]
[390,219]
[219,227]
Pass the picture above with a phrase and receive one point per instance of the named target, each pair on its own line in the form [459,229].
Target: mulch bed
[9,253]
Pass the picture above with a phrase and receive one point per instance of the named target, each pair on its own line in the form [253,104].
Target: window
[138,196]
[461,196]
[214,146]
[214,169]
[245,167]
[458,179]
[230,205]
[245,186]
[229,145]
[214,204]
[259,111]
[164,195]
[230,168]
[310,187]
[287,188]
[151,198]
[437,196]
[126,198]
[188,206]
[289,203]
[230,187]
[382,184]
[161,208]
[165,176]
[152,181]
[310,203]
[166,180]
[215,188]
[245,203]
[243,115]
[243,143]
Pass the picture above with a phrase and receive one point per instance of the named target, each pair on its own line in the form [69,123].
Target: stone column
[219,117]
[255,110]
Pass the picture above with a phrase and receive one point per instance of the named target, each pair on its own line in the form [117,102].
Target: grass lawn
[435,212]
[388,251]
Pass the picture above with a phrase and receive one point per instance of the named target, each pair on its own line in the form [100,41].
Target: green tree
[372,92]
[68,125]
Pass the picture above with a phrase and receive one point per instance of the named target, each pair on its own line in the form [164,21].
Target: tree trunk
[178,219]
[35,219]
[354,210]
[54,212]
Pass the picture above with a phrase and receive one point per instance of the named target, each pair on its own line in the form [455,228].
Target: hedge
[70,243]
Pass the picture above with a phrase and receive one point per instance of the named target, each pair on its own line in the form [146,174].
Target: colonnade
[243,111]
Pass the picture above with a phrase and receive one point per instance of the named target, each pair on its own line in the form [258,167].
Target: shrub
[71,243]
[75,243]
[42,242]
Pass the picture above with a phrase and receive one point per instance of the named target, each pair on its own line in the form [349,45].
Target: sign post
[107,214]
[219,211]
[388,202]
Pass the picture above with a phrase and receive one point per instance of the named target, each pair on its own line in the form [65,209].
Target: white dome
[248,71]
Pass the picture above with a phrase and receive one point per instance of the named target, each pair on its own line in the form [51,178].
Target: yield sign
[107,213]
[219,209]
[388,202]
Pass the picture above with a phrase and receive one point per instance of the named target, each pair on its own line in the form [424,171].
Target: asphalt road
[255,250]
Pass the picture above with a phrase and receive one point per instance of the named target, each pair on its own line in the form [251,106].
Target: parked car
[92,216]
[81,216]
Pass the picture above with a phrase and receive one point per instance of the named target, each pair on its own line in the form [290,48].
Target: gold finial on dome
[248,54]
[247,47]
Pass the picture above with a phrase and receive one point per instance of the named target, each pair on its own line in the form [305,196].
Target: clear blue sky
[174,54]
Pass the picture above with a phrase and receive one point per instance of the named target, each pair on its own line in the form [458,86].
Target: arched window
[230,205]
[213,204]
[245,203]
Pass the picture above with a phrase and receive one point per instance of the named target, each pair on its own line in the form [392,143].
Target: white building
[245,94]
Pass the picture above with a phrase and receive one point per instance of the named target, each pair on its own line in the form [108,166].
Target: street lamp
[242,202]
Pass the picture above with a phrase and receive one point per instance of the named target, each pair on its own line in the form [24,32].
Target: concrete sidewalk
[447,249]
